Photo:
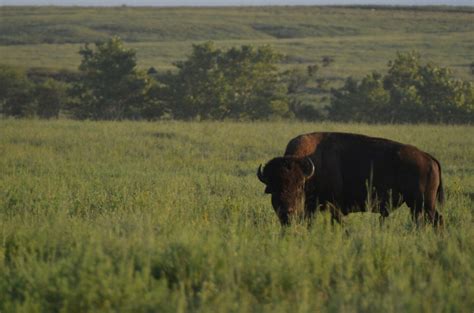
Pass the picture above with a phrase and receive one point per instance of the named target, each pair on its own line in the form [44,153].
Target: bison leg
[430,195]
[336,214]
[383,213]
[311,206]
[389,202]
[431,214]
[435,218]
[416,211]
[426,209]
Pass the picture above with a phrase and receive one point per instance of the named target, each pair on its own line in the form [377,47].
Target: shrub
[409,92]
[362,101]
[15,93]
[239,83]
[111,86]
[51,97]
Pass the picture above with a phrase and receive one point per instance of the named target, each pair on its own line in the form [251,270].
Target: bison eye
[268,190]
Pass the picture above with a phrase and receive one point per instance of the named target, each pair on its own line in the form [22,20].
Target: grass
[170,217]
[361,39]
[23,25]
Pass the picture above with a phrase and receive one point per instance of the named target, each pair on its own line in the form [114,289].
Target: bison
[344,173]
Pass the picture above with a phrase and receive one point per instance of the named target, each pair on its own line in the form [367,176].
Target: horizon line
[363,5]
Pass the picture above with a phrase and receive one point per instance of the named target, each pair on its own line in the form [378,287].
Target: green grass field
[361,39]
[170,217]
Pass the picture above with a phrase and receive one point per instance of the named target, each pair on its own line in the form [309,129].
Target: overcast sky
[231,2]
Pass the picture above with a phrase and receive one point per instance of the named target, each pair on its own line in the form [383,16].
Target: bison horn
[260,175]
[312,169]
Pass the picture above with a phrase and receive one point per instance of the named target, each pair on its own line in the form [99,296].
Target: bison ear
[308,167]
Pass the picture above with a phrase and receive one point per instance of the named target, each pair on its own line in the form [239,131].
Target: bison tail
[440,192]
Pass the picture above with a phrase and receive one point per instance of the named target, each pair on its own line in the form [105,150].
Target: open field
[170,217]
[360,39]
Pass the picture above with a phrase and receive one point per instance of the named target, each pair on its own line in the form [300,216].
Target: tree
[238,83]
[301,105]
[409,92]
[111,86]
[362,101]
[445,99]
[426,93]
[257,89]
[199,88]
[15,93]
[154,104]
[51,97]
[297,79]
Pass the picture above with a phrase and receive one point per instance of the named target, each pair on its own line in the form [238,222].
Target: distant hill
[235,2]
[34,25]
[360,39]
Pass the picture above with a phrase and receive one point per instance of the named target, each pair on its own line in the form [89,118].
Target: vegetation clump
[239,83]
[111,86]
[410,92]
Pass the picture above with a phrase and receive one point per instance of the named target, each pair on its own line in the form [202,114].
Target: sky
[232,2]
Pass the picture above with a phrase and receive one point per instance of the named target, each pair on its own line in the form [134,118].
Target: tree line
[239,83]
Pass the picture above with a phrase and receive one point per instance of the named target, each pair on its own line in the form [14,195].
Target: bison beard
[343,172]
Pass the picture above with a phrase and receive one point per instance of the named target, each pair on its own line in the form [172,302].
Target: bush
[409,92]
[111,86]
[51,97]
[305,112]
[302,86]
[237,84]
[362,101]
[15,93]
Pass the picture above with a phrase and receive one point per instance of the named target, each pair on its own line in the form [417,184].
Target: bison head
[285,179]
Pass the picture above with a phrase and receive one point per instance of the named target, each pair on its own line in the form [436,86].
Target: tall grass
[170,217]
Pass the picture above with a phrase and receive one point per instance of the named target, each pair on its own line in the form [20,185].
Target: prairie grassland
[170,217]
[361,39]
[354,56]
[48,24]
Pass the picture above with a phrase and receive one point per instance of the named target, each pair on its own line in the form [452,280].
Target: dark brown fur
[348,168]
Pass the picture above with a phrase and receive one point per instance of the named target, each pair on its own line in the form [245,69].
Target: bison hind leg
[433,216]
[437,219]
[430,211]
[427,210]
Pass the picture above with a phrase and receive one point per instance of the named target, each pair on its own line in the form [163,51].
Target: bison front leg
[336,213]
[310,207]
[386,205]
[383,216]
